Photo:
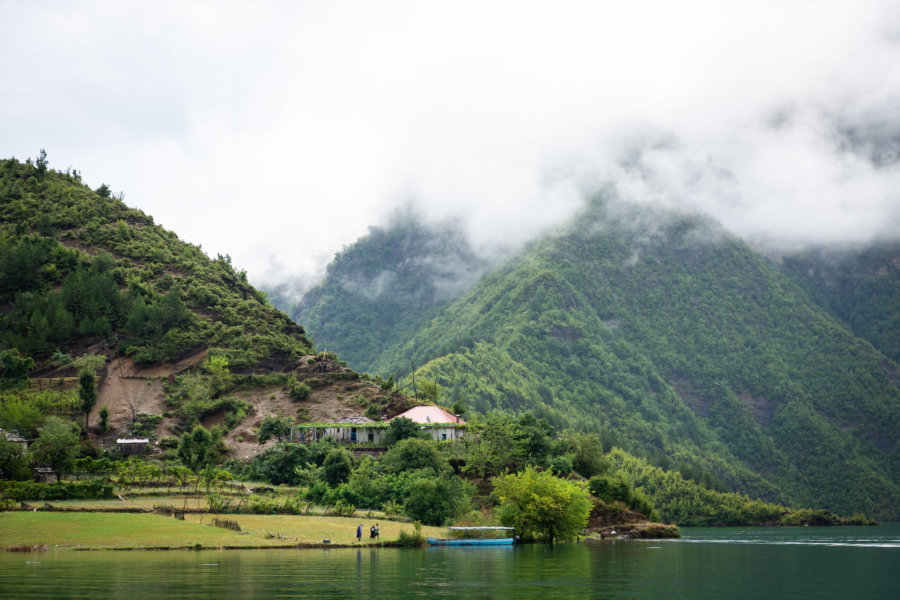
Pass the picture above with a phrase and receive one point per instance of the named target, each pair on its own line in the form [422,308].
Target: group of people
[373,532]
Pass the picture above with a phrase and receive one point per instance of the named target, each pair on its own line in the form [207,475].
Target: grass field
[112,531]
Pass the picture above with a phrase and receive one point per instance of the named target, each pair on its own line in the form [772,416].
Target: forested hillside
[78,267]
[858,285]
[674,340]
[380,291]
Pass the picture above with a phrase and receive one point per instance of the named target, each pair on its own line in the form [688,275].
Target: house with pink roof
[440,424]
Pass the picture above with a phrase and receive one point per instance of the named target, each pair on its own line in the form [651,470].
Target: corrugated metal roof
[430,414]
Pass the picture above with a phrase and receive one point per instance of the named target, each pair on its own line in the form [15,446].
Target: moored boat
[485,537]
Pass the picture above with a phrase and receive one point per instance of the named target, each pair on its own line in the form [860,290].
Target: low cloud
[278,133]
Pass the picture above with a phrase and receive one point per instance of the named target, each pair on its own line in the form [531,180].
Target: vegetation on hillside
[859,285]
[387,286]
[78,266]
[672,339]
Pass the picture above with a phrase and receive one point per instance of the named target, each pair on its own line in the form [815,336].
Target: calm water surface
[803,562]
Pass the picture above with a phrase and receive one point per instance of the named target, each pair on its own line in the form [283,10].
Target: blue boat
[481,540]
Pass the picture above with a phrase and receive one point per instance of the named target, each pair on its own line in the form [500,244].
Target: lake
[801,562]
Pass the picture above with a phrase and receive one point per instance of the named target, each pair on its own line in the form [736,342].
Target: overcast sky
[277,132]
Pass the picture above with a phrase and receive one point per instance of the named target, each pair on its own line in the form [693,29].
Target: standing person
[377,532]
[359,533]
[372,532]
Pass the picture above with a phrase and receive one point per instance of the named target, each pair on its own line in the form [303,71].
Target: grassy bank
[134,531]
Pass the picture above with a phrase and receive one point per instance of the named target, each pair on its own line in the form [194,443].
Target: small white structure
[132,446]
[349,430]
[440,425]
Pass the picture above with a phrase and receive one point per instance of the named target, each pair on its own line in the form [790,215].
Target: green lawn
[111,530]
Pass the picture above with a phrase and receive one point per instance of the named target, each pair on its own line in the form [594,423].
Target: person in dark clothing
[359,533]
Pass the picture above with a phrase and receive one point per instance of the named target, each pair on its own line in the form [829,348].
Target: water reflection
[716,563]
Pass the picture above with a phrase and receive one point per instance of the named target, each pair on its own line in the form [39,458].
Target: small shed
[44,474]
[132,446]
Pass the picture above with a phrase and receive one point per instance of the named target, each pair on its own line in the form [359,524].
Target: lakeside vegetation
[85,280]
[664,335]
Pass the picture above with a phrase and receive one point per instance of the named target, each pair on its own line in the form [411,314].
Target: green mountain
[664,334]
[80,269]
[858,285]
[380,291]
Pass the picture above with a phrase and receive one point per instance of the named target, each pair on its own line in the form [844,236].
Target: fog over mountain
[278,132]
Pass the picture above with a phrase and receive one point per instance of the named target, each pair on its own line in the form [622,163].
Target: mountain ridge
[674,339]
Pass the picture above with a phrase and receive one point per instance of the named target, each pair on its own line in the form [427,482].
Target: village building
[441,425]
[132,446]
[12,436]
[438,423]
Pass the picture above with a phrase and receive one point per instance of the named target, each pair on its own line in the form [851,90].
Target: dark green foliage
[666,336]
[412,454]
[298,390]
[13,461]
[277,465]
[75,263]
[561,465]
[70,490]
[56,446]
[196,448]
[401,429]
[435,500]
[386,287]
[500,441]
[87,393]
[273,427]
[337,466]
[14,368]
[859,285]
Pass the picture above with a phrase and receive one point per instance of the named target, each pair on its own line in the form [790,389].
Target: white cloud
[277,132]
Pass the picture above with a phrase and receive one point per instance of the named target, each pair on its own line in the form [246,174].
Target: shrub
[298,390]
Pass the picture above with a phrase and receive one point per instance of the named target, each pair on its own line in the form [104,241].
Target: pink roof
[430,414]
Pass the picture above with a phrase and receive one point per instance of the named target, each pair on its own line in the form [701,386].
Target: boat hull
[470,542]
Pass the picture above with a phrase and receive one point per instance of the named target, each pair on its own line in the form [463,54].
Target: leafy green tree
[493,444]
[56,446]
[87,393]
[436,500]
[18,414]
[367,483]
[41,163]
[297,389]
[13,461]
[542,506]
[274,427]
[586,452]
[337,467]
[561,465]
[428,390]
[400,429]
[195,448]
[104,419]
[14,368]
[216,367]
[279,464]
[412,454]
